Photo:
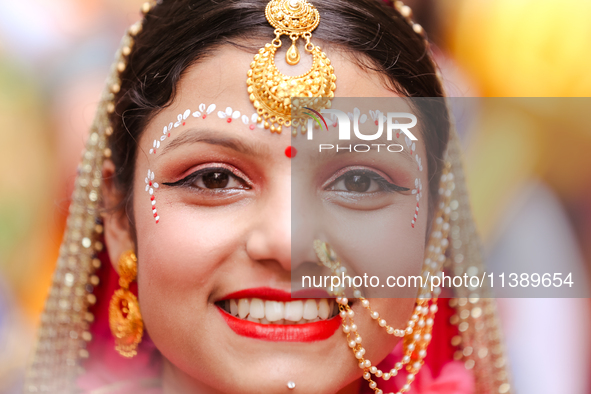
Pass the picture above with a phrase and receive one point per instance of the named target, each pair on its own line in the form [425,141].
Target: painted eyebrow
[194,136]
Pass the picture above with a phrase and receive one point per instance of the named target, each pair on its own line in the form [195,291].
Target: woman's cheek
[178,258]
[379,243]
[184,248]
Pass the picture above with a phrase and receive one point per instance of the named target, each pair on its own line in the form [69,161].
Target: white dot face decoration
[230,115]
[202,113]
[357,114]
[375,116]
[181,120]
[150,187]
[418,190]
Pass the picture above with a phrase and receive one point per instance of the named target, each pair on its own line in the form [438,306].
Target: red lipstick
[309,332]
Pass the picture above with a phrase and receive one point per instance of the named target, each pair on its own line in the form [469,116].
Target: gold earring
[125,318]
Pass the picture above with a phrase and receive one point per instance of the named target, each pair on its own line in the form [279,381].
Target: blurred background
[531,197]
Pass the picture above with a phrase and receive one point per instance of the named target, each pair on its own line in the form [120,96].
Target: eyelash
[383,183]
[191,179]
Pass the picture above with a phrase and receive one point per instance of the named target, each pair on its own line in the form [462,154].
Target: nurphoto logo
[395,123]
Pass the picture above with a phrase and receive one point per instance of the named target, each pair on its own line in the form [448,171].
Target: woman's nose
[270,237]
[286,224]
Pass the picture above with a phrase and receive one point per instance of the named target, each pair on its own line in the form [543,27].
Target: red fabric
[440,350]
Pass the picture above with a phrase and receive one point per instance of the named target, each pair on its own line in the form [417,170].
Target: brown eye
[215,180]
[364,181]
[357,183]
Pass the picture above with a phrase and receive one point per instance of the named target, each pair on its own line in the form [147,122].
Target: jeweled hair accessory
[270,90]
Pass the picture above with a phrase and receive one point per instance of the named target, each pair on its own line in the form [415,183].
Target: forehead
[220,78]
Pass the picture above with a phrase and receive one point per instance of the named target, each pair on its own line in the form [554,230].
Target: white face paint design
[418,190]
[181,120]
[252,122]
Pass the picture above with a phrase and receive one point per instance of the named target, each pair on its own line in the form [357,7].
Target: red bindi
[291,152]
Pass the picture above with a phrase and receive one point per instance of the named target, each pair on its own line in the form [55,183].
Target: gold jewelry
[270,90]
[125,318]
[418,331]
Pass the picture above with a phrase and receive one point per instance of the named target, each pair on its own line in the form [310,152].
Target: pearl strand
[417,341]
[406,13]
[391,330]
[418,332]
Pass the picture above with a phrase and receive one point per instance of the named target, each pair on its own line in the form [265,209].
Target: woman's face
[231,219]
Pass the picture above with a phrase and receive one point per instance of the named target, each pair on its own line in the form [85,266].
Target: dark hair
[178,33]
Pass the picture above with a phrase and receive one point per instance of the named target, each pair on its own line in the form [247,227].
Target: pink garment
[453,378]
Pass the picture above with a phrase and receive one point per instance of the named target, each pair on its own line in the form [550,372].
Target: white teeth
[243,307]
[323,309]
[294,311]
[257,308]
[253,319]
[277,312]
[274,310]
[310,310]
[233,307]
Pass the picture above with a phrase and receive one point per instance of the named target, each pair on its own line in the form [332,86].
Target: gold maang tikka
[271,91]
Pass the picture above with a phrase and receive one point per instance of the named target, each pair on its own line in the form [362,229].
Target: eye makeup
[359,180]
[213,177]
[217,180]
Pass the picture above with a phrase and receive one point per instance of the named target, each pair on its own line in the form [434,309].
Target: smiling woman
[190,181]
